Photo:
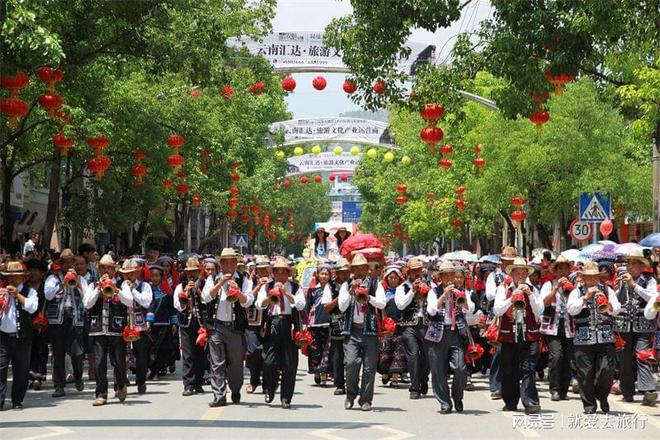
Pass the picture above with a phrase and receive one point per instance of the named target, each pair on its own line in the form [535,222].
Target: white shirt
[52,287]
[502,303]
[491,285]
[264,303]
[92,292]
[345,298]
[28,247]
[177,304]
[649,312]
[8,320]
[225,310]
[649,292]
[575,302]
[432,306]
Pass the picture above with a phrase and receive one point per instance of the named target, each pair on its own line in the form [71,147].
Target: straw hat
[509,253]
[262,261]
[229,253]
[519,263]
[14,268]
[107,260]
[415,263]
[446,267]
[67,254]
[560,260]
[282,263]
[192,265]
[359,260]
[342,264]
[392,269]
[590,268]
[129,266]
[638,255]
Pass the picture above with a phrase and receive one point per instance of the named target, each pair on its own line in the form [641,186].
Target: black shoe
[340,392]
[80,385]
[348,403]
[17,406]
[589,411]
[172,368]
[188,392]
[445,411]
[414,395]
[554,396]
[605,406]
[507,408]
[236,398]
[286,404]
[142,389]
[532,409]
[649,399]
[628,399]
[317,379]
[385,379]
[564,397]
[2,405]
[218,402]
[424,389]
[59,392]
[199,390]
[458,405]
[268,397]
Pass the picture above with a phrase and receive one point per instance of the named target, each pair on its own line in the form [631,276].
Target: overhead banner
[362,131]
[309,163]
[292,51]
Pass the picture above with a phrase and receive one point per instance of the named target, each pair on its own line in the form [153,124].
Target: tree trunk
[7,221]
[53,199]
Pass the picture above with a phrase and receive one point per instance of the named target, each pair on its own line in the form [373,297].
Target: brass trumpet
[232,293]
[518,300]
[108,288]
[274,295]
[70,280]
[362,295]
[602,302]
[656,304]
[460,299]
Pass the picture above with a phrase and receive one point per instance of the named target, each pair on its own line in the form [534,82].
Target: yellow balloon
[279,154]
[405,160]
[338,150]
[298,151]
[355,150]
[389,156]
[372,153]
[316,149]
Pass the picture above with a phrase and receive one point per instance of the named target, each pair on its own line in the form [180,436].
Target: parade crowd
[591,326]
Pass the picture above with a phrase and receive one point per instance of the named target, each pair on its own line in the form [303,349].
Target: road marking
[54,431]
[211,414]
[398,435]
[637,409]
[326,432]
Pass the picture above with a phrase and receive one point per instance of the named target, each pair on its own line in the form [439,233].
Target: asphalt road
[315,414]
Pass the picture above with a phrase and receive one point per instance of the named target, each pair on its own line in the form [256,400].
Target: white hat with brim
[14,269]
[229,253]
[519,263]
[107,261]
[590,268]
[638,255]
[129,266]
[446,267]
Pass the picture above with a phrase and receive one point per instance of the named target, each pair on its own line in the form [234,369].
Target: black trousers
[66,339]
[17,352]
[416,356]
[560,352]
[280,354]
[141,349]
[337,362]
[39,355]
[446,355]
[629,364]
[595,372]
[254,355]
[193,357]
[115,347]
[518,367]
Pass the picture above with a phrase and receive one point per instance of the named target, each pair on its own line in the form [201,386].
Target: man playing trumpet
[519,307]
[594,337]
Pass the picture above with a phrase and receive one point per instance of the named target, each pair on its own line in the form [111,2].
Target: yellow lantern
[298,151]
[279,154]
[389,156]
[338,150]
[355,150]
[405,160]
[372,153]
[316,149]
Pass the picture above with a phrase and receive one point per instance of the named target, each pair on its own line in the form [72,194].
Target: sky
[312,15]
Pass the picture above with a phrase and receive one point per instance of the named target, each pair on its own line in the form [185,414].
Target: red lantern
[479,162]
[460,191]
[401,200]
[332,177]
[196,200]
[99,165]
[517,201]
[227,92]
[98,143]
[233,191]
[182,188]
[245,218]
[63,143]
[14,108]
[139,155]
[233,202]
[14,83]
[287,184]
[255,209]
[349,86]
[445,163]
[478,149]
[167,184]
[379,87]
[50,101]
[432,112]
[431,134]
[606,227]
[176,141]
[446,149]
[139,171]
[558,80]
[518,215]
[256,88]
[460,204]
[319,83]
[50,76]
[232,215]
[539,118]
[456,223]
[401,188]
[175,161]
[318,179]
[304,179]
[344,177]
[288,84]
[195,94]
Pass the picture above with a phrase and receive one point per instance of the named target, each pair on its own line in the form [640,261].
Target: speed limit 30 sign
[581,231]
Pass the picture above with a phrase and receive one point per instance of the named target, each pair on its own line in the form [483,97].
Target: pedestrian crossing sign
[240,240]
[596,207]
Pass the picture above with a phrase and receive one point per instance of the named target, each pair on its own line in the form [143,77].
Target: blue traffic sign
[596,207]
[351,211]
[240,240]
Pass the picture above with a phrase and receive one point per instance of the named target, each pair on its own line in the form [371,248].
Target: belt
[13,335]
[225,323]
[281,317]
[357,326]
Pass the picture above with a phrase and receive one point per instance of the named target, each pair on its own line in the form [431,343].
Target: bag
[493,332]
[434,332]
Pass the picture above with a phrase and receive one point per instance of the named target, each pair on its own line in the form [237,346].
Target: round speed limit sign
[581,231]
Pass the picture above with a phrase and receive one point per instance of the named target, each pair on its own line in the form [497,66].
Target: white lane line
[211,414]
[397,435]
[326,432]
[54,431]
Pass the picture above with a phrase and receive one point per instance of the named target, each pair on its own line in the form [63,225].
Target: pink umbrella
[357,242]
[626,248]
